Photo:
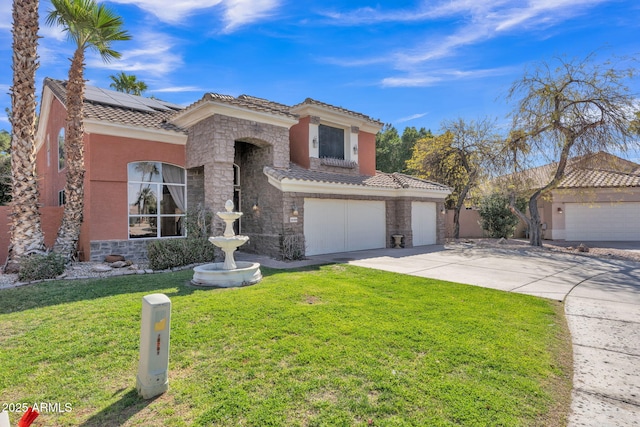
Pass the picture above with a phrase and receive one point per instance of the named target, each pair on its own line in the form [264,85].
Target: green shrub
[293,247]
[496,217]
[198,222]
[40,267]
[169,253]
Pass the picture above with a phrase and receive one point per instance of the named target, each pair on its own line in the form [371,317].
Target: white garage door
[423,223]
[602,221]
[332,225]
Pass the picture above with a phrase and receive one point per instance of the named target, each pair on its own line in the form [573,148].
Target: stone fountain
[230,273]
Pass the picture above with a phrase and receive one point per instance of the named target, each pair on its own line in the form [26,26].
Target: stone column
[218,188]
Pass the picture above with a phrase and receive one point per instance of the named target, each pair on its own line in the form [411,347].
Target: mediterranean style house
[597,200]
[304,175]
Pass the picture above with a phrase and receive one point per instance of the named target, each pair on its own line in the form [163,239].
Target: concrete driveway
[602,305]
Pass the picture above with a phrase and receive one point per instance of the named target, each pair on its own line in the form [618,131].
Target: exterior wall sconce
[294,210]
[355,149]
[315,142]
[255,207]
[443,210]
[560,210]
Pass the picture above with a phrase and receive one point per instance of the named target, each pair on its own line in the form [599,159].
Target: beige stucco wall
[469,224]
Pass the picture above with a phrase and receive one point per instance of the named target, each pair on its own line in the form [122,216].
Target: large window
[331,142]
[157,198]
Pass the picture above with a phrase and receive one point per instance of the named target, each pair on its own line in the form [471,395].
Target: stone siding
[134,250]
[214,145]
[195,188]
[218,142]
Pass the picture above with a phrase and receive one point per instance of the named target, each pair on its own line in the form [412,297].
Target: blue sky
[408,63]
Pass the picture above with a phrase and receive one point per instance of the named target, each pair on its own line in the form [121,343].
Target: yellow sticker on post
[159,326]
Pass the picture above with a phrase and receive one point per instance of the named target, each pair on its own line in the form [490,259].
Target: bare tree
[459,158]
[564,109]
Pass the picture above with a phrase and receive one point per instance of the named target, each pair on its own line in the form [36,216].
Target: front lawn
[327,346]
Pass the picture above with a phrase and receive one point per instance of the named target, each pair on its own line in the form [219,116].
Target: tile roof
[118,114]
[583,178]
[380,179]
[310,101]
[597,170]
[248,102]
[161,119]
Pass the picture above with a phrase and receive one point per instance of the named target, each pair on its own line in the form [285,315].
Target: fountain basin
[215,276]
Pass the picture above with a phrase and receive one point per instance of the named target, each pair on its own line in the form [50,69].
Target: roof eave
[289,185]
[343,118]
[142,133]
[207,108]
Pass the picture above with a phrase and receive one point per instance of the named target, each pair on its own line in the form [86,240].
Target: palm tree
[127,83]
[90,26]
[26,231]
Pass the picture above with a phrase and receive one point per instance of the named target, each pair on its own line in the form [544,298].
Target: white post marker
[4,419]
[153,368]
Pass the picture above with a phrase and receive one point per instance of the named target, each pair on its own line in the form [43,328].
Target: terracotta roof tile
[597,170]
[583,178]
[380,179]
[249,102]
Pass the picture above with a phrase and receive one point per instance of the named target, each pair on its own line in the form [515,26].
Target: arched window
[61,153]
[157,200]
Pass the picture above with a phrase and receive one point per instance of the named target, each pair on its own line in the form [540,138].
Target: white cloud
[472,22]
[172,11]
[422,79]
[52,32]
[241,12]
[235,12]
[155,55]
[411,81]
[178,89]
[411,117]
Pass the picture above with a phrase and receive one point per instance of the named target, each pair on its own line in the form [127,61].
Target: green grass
[329,346]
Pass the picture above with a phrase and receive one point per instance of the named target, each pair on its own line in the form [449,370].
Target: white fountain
[229,273]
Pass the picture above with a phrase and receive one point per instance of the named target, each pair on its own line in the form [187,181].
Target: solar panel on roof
[114,98]
[129,101]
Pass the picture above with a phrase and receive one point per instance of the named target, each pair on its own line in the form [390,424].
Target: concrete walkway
[602,305]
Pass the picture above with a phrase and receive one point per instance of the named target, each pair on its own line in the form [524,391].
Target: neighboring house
[303,175]
[597,200]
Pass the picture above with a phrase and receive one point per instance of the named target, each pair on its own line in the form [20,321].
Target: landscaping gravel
[91,270]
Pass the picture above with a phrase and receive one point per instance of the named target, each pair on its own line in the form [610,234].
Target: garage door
[602,221]
[332,225]
[423,223]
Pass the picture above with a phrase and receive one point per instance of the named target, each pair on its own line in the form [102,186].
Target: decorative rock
[101,268]
[113,258]
[118,264]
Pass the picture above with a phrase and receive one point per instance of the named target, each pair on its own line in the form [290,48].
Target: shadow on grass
[119,412]
[69,291]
